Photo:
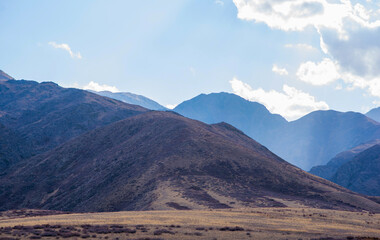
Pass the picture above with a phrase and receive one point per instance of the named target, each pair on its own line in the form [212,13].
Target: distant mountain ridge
[306,142]
[132,98]
[327,171]
[361,174]
[374,114]
[161,160]
[356,169]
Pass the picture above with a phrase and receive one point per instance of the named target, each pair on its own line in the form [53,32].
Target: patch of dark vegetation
[49,234]
[162,231]
[194,234]
[35,237]
[231,229]
[177,206]
[175,226]
[58,231]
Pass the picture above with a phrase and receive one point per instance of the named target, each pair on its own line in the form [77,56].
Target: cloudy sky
[293,56]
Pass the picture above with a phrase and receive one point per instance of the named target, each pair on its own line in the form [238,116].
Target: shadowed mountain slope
[361,174]
[160,160]
[327,171]
[47,115]
[132,98]
[12,148]
[306,142]
[4,76]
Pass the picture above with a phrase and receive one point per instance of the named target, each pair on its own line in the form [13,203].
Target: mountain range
[309,141]
[132,98]
[161,160]
[84,152]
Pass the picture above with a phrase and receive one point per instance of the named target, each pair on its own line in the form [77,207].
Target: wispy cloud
[219,2]
[192,70]
[301,46]
[67,48]
[279,71]
[348,32]
[296,15]
[100,87]
[291,103]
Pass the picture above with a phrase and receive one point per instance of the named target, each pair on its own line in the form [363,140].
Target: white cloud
[279,71]
[219,2]
[296,15]
[318,74]
[372,85]
[301,46]
[192,70]
[99,87]
[328,71]
[349,34]
[170,106]
[291,103]
[67,48]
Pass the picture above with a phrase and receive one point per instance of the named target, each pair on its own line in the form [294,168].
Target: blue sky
[294,56]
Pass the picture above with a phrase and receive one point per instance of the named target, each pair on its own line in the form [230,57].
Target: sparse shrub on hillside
[232,229]
[161,231]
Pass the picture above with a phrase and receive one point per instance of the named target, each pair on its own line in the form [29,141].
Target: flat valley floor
[253,223]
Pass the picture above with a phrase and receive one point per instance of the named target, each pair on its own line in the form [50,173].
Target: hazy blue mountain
[361,174]
[317,137]
[132,98]
[374,114]
[250,117]
[4,76]
[327,171]
[309,141]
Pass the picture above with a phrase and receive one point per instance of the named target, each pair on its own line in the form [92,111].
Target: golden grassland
[258,223]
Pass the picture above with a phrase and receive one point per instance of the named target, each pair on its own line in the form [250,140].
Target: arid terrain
[250,223]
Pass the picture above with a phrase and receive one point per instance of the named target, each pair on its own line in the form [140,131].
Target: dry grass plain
[252,223]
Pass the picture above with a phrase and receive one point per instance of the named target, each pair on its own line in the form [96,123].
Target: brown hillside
[47,115]
[160,160]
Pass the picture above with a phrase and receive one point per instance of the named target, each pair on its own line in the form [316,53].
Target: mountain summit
[251,117]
